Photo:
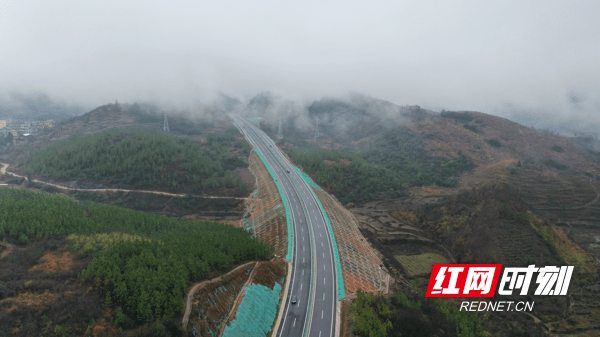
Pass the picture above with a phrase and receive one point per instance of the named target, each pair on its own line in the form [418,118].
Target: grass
[421,264]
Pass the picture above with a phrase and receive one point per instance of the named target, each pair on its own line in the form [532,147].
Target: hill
[376,171]
[142,263]
[144,159]
[208,130]
[518,196]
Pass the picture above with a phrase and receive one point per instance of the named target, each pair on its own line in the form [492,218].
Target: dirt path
[597,194]
[8,250]
[190,296]
[62,187]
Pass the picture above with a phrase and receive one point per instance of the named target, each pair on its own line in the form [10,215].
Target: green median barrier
[288,216]
[336,254]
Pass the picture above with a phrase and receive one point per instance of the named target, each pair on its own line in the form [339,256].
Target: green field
[421,264]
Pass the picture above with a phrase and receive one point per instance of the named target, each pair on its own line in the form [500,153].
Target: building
[3,123]
[25,127]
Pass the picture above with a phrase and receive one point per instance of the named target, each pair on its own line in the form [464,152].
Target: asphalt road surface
[313,270]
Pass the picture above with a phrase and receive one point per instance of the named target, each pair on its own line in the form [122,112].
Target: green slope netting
[336,254]
[256,313]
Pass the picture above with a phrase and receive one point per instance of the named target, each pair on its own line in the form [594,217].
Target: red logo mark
[463,280]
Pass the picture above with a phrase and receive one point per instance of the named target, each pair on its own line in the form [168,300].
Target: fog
[511,58]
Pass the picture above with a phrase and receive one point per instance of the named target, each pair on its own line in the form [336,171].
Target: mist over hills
[354,114]
[37,105]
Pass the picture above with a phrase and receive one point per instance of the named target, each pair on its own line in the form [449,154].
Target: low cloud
[502,58]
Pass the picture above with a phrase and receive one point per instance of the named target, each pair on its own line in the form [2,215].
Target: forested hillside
[142,262]
[146,159]
[362,175]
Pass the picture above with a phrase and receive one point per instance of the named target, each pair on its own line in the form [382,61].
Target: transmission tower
[166,125]
[317,129]
[280,131]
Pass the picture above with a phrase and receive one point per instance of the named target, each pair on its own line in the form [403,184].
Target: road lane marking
[294,321]
[323,296]
[300,286]
[321,243]
[278,158]
[321,314]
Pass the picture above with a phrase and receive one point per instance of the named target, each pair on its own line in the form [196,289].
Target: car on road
[287,171]
[294,299]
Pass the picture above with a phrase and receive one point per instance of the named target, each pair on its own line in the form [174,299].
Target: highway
[313,278]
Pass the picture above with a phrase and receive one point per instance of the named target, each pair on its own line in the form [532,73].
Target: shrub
[457,116]
[553,163]
[494,143]
[120,317]
[558,148]
[472,128]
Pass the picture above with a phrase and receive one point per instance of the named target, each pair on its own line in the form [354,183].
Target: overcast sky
[461,55]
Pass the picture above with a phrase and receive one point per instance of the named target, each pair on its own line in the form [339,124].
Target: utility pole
[166,124]
[317,129]
[280,131]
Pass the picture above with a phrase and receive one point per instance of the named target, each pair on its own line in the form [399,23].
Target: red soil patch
[267,273]
[353,283]
[53,263]
[213,301]
[268,223]
[104,327]
[32,300]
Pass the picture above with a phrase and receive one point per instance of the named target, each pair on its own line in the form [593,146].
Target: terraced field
[420,264]
[519,245]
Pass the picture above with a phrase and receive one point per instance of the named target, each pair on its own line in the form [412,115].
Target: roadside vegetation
[145,159]
[142,263]
[366,174]
[399,315]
